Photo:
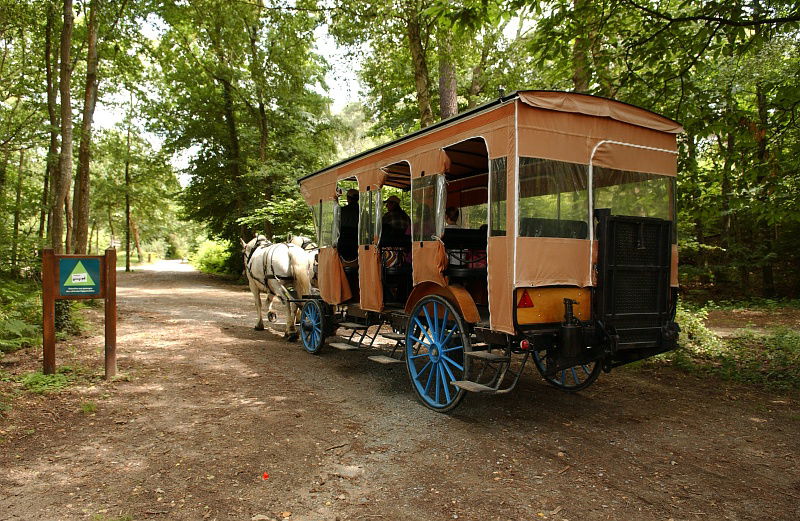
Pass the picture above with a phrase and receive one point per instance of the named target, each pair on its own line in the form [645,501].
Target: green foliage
[39,383]
[212,257]
[20,314]
[769,360]
[88,407]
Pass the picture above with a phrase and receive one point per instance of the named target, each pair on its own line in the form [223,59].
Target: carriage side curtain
[333,285]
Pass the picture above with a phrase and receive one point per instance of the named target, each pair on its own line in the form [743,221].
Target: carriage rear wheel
[313,326]
[436,343]
[572,378]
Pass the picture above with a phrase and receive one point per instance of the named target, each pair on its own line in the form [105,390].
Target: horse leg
[291,318]
[257,297]
[271,315]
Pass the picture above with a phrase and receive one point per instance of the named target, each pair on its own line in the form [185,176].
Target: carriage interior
[451,207]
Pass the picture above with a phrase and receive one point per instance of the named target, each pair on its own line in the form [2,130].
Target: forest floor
[211,420]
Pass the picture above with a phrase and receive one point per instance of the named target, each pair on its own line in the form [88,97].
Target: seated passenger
[451,217]
[348,228]
[396,224]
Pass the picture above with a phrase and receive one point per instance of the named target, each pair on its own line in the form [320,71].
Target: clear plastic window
[327,220]
[369,222]
[428,199]
[498,176]
[634,193]
[553,199]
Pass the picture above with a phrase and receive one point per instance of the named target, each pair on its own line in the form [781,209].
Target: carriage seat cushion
[538,227]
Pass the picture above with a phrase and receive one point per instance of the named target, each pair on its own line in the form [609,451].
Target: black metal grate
[633,280]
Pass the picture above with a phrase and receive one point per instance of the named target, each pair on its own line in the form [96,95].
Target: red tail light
[525,301]
[524,345]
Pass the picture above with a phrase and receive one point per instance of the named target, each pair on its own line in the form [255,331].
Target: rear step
[473,387]
[383,359]
[353,325]
[488,356]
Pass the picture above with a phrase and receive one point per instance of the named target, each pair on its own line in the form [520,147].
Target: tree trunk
[51,168]
[234,153]
[17,210]
[128,197]
[448,87]
[420,64]
[135,230]
[64,177]
[580,62]
[68,223]
[4,170]
[91,236]
[81,195]
[110,225]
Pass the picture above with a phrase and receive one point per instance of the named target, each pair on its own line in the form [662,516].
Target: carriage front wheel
[312,326]
[436,343]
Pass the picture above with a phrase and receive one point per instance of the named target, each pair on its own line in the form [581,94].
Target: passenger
[348,227]
[396,224]
[451,217]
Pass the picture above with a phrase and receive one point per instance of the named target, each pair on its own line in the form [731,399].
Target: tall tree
[63,180]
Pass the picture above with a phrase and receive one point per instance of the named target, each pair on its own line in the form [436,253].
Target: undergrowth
[20,314]
[769,360]
[211,257]
[64,377]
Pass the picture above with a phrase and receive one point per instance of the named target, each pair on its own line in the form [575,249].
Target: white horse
[282,270]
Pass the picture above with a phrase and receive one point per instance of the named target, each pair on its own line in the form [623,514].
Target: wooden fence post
[48,312]
[110,276]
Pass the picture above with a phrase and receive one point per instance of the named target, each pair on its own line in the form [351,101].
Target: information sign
[79,276]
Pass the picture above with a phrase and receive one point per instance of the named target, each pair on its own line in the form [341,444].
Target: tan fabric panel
[429,262]
[673,267]
[547,261]
[430,162]
[501,307]
[545,144]
[369,278]
[333,285]
[583,104]
[319,188]
[572,137]
[372,178]
[624,157]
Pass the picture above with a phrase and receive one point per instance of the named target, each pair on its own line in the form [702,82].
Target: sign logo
[79,276]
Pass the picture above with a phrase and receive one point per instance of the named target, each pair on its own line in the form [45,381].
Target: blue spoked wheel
[435,345]
[572,378]
[312,326]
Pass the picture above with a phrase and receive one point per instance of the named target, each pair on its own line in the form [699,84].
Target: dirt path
[211,405]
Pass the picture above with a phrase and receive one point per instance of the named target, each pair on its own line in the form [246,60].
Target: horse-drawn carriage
[559,245]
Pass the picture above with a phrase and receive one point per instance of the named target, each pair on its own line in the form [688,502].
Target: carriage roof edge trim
[559,101]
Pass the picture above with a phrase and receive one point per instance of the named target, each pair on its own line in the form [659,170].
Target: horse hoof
[272,317]
[259,328]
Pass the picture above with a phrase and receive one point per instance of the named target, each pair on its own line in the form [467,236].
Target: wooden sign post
[74,277]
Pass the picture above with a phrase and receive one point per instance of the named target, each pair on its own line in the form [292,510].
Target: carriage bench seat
[466,251]
[538,227]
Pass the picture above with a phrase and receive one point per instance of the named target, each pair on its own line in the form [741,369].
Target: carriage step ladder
[394,357]
[343,346]
[500,367]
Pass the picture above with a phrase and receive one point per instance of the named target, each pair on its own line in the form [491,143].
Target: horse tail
[299,263]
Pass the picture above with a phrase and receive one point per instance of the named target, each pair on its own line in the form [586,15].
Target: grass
[88,407]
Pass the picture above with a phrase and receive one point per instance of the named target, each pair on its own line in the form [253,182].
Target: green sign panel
[79,276]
